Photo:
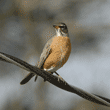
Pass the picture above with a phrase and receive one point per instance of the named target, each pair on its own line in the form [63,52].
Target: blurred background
[25,27]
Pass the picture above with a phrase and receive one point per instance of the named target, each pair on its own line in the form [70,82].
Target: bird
[55,53]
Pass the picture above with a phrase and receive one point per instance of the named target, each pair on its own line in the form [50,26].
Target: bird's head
[61,29]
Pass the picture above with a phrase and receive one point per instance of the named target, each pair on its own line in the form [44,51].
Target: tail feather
[27,78]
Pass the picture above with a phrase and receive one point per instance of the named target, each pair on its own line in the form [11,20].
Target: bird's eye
[61,26]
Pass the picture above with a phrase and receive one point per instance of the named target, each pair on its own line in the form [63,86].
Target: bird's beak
[56,26]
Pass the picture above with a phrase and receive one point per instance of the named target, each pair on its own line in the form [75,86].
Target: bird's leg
[57,73]
[59,77]
[36,78]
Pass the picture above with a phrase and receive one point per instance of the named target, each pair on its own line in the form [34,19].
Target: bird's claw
[60,78]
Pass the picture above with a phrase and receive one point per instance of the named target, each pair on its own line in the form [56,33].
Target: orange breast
[60,51]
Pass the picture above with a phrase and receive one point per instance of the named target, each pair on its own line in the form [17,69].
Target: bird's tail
[27,78]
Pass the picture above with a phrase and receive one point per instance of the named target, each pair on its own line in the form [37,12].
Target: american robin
[55,53]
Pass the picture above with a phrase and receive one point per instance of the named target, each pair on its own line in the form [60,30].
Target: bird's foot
[60,78]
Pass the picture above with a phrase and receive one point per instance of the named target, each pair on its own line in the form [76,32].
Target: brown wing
[45,53]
